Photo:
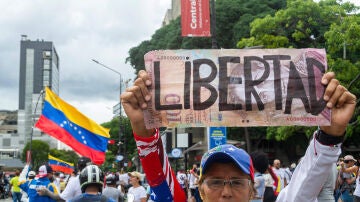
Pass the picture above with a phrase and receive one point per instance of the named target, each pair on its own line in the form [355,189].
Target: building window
[6,142]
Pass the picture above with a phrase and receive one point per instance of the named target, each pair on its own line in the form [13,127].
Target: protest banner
[236,87]
[195,18]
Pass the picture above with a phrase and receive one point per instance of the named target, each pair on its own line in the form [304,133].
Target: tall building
[173,12]
[39,67]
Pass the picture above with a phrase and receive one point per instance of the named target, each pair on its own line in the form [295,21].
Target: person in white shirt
[137,191]
[280,173]
[57,180]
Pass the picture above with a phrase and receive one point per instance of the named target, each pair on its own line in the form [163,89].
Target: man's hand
[341,102]
[42,191]
[134,100]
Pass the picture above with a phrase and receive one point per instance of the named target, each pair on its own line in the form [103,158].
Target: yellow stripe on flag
[74,115]
[56,159]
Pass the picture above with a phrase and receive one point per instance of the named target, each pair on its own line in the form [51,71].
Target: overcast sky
[81,30]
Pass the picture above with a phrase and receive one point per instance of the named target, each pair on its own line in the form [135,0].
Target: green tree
[233,18]
[39,153]
[303,24]
[342,38]
[126,141]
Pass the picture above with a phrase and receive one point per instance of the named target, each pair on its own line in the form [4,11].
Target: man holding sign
[226,171]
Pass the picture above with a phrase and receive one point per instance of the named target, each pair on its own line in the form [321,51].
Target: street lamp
[120,107]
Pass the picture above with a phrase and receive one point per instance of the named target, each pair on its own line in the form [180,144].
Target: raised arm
[153,157]
[134,101]
[324,149]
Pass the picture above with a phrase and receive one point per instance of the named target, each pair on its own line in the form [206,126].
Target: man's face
[133,180]
[277,164]
[50,175]
[211,190]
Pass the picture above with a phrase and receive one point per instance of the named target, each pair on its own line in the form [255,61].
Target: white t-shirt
[72,189]
[269,181]
[192,181]
[124,179]
[138,193]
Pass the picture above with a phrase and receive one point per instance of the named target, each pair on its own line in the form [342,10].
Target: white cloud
[104,30]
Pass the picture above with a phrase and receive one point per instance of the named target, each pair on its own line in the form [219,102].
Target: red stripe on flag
[62,169]
[61,134]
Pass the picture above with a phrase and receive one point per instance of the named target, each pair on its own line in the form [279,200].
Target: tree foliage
[126,139]
[39,153]
[303,24]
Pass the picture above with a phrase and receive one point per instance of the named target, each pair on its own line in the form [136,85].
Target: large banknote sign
[253,87]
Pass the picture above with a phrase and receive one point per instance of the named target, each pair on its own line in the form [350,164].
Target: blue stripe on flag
[81,134]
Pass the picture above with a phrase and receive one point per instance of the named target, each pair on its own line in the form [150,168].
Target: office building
[39,67]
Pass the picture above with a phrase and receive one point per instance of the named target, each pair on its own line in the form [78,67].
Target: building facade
[39,67]
[173,12]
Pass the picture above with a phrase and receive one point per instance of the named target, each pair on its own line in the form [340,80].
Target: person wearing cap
[222,180]
[136,191]
[110,190]
[72,188]
[31,175]
[62,182]
[349,181]
[41,181]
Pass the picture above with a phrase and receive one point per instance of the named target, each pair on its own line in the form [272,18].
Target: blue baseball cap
[225,154]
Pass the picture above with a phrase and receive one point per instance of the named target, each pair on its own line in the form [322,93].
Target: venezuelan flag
[65,123]
[60,165]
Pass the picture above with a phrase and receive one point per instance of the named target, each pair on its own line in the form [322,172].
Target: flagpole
[41,95]
[120,108]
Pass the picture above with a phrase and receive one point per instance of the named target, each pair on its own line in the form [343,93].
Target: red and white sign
[195,18]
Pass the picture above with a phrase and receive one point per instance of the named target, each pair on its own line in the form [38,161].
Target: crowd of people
[225,173]
[87,183]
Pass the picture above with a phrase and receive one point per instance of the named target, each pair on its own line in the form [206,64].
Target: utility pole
[120,111]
